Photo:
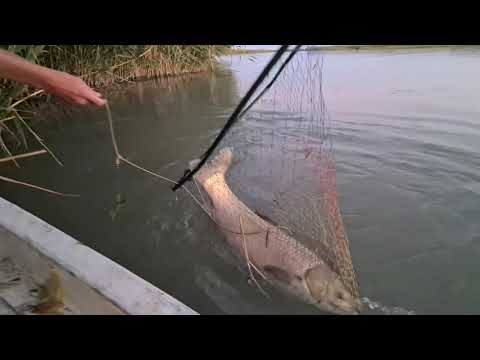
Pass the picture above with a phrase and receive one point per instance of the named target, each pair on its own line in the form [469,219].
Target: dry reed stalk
[6,149]
[12,107]
[38,138]
[120,158]
[7,129]
[6,119]
[249,263]
[36,187]
[21,156]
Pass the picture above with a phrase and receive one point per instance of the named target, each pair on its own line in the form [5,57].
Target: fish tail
[218,165]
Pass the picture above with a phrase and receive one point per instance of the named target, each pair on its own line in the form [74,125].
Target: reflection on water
[405,135]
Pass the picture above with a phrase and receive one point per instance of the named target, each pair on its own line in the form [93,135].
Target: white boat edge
[121,290]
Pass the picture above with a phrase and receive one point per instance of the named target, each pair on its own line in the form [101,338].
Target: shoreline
[356,48]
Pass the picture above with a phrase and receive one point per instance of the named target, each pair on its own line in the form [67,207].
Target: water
[406,144]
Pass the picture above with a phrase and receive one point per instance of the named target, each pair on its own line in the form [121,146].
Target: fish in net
[271,190]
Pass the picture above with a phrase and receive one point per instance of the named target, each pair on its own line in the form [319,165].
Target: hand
[61,84]
[70,88]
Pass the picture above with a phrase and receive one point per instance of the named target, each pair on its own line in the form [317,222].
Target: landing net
[284,166]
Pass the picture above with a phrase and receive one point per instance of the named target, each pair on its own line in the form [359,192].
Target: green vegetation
[101,65]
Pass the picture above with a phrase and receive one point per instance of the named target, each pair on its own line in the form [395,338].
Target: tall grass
[99,66]
[103,65]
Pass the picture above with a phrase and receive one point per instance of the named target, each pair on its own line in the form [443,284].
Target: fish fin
[218,165]
[277,273]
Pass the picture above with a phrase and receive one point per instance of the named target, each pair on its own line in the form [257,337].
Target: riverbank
[350,48]
[387,48]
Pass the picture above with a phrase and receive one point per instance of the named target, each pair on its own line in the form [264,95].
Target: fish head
[328,292]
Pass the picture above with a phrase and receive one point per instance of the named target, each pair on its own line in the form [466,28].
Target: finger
[80,100]
[96,99]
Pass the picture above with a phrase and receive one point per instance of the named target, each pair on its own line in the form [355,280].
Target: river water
[405,129]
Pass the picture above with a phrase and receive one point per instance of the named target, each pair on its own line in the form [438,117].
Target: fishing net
[283,172]
[283,164]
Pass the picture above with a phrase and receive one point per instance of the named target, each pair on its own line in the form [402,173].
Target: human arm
[57,83]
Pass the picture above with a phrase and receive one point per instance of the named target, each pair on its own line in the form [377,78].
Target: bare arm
[60,84]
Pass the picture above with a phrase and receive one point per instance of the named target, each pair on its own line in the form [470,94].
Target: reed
[103,65]
[99,66]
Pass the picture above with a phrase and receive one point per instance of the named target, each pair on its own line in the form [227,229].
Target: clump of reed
[103,65]
[99,66]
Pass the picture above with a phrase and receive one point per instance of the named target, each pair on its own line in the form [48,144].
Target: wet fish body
[277,255]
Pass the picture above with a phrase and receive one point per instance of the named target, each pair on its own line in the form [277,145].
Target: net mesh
[284,164]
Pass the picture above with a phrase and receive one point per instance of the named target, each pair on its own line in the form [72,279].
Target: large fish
[271,251]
